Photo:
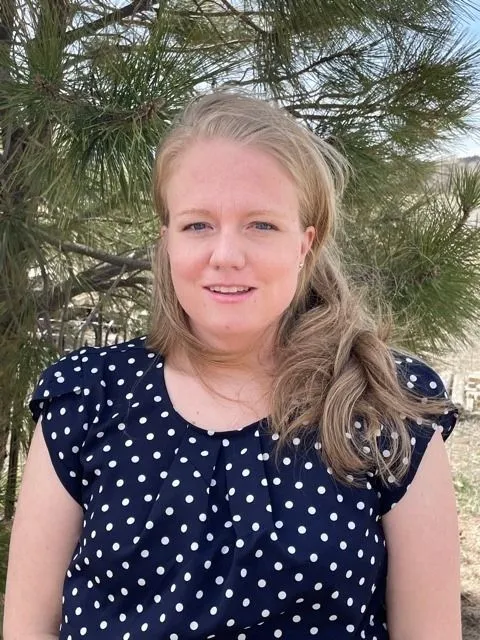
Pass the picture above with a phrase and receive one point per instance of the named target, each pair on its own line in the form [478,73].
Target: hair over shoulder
[333,362]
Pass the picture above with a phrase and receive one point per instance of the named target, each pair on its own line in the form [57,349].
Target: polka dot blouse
[195,534]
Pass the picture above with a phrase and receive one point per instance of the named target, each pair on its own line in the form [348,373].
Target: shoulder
[91,367]
[417,376]
[422,380]
[130,351]
[84,359]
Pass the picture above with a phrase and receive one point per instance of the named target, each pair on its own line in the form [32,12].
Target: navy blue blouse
[194,534]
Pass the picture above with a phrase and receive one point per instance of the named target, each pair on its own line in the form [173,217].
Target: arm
[45,531]
[423,583]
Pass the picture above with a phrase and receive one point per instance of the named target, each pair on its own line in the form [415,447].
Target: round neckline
[212,433]
[230,433]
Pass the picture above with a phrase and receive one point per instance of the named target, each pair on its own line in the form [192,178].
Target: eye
[195,226]
[264,226]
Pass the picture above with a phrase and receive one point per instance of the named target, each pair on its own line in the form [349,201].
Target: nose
[228,250]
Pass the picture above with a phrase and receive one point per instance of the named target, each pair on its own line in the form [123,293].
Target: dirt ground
[464,451]
[463,364]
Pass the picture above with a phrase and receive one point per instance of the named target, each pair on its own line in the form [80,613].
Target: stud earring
[300,265]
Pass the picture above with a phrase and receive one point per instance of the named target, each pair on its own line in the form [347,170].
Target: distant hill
[468,161]
[443,168]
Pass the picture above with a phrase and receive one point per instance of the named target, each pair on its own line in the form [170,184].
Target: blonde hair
[333,366]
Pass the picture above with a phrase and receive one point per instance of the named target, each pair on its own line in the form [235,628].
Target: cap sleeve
[424,381]
[58,402]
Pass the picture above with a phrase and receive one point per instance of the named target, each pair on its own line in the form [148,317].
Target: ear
[307,241]
[164,234]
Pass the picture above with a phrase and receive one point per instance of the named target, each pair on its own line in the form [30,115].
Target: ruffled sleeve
[58,401]
[424,381]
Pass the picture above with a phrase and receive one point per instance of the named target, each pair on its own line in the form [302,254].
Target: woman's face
[234,240]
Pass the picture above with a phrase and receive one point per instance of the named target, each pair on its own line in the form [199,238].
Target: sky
[460,146]
[469,145]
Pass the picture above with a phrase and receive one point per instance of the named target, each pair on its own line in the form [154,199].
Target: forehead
[228,172]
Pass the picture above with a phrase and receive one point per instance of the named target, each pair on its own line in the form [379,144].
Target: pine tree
[88,88]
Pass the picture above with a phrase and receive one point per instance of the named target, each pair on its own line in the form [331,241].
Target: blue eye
[264,226]
[196,226]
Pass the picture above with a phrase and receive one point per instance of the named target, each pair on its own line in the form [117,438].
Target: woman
[156,483]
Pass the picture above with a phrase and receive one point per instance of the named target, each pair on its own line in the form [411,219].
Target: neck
[233,364]
[235,354]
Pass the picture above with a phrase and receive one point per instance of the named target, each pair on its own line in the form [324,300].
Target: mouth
[230,290]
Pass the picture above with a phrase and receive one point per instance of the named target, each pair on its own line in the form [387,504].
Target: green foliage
[4,544]
[419,253]
[88,89]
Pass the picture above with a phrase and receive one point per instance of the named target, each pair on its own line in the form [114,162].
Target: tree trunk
[13,457]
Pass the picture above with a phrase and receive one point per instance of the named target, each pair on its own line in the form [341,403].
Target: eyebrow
[187,212]
[250,214]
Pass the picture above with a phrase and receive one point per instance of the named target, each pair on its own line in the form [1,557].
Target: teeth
[229,289]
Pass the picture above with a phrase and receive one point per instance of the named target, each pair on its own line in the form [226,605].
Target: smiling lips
[231,289]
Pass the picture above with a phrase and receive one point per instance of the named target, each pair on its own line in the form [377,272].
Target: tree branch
[91,280]
[215,14]
[84,250]
[348,52]
[91,316]
[211,22]
[243,18]
[7,19]
[115,16]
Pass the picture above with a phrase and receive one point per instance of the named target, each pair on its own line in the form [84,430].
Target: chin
[232,336]
[230,332]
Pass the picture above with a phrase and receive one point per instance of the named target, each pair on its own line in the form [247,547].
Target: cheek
[283,277]
[185,286]
[184,264]
[183,280]
[282,264]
